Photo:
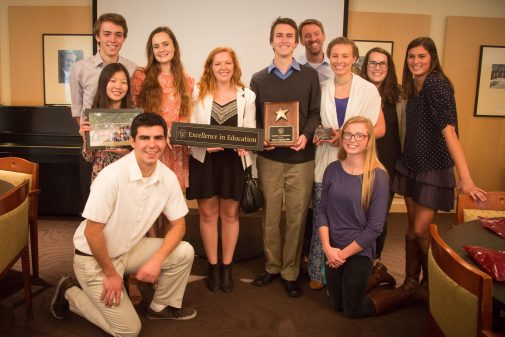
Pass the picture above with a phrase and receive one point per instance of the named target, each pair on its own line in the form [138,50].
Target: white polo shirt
[129,204]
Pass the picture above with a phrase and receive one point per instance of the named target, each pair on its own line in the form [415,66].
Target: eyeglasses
[373,64]
[357,136]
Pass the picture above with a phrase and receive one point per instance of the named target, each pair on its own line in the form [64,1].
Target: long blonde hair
[207,84]
[371,160]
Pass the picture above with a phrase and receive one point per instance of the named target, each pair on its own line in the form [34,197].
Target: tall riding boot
[412,261]
[226,278]
[424,282]
[213,278]
[389,300]
[379,275]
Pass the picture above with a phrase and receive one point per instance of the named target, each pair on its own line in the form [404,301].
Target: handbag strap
[248,169]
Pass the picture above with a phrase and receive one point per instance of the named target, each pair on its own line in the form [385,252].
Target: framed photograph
[109,128]
[60,52]
[490,96]
[365,45]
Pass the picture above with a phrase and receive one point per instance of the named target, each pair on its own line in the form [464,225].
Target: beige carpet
[248,311]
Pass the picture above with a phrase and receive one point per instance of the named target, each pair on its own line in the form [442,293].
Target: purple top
[340,209]
[341,105]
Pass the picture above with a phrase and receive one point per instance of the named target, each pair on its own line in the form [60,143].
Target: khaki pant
[122,320]
[293,182]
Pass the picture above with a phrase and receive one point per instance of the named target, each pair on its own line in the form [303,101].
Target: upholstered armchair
[460,294]
[14,234]
[21,165]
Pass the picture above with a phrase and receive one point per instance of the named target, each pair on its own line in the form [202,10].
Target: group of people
[384,139]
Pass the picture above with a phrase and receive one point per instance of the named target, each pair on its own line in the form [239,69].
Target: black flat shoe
[264,279]
[292,288]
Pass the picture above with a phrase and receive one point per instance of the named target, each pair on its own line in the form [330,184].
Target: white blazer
[246,113]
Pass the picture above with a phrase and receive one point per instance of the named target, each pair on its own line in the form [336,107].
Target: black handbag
[252,200]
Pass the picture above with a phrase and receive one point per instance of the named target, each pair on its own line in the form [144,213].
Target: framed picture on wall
[365,45]
[490,96]
[59,53]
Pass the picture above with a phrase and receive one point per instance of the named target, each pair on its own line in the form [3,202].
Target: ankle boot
[213,278]
[412,260]
[226,278]
[379,275]
[389,300]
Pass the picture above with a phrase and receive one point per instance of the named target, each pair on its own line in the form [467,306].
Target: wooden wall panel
[26,26]
[483,138]
[400,28]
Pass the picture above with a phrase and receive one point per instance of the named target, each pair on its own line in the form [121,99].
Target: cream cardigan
[364,100]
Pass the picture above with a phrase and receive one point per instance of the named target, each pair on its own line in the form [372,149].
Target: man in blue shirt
[286,173]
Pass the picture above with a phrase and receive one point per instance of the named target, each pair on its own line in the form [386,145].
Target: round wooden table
[473,234]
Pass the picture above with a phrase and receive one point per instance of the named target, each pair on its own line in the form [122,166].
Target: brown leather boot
[412,260]
[416,293]
[424,282]
[379,275]
[389,300]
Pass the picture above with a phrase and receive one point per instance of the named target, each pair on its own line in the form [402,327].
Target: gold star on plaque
[281,113]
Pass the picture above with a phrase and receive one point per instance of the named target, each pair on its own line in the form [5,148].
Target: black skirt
[221,174]
[432,189]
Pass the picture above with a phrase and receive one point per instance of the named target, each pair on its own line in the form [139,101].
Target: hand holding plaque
[281,123]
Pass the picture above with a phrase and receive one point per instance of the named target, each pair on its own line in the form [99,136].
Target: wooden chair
[460,294]
[25,166]
[14,211]
[495,202]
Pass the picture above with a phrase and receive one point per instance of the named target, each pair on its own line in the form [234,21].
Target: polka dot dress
[427,115]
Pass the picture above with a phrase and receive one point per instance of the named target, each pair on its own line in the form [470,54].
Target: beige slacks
[122,320]
[293,182]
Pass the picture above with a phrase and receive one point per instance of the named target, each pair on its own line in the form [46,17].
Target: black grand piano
[48,136]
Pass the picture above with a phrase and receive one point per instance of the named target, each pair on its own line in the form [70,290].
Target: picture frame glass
[60,53]
[109,128]
[490,95]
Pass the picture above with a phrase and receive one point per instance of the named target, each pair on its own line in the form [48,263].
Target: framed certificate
[281,123]
[109,128]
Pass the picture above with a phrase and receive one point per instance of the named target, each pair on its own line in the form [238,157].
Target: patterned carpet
[248,311]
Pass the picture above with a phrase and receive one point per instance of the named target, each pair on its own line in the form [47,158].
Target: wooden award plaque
[281,123]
